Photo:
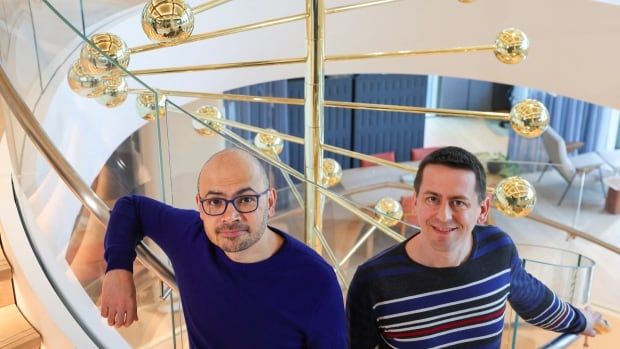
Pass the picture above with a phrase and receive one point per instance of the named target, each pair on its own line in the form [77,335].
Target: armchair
[570,167]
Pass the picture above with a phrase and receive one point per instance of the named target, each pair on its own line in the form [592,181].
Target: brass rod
[224,96]
[355,56]
[313,118]
[356,211]
[357,245]
[374,159]
[251,128]
[217,66]
[418,110]
[208,5]
[280,165]
[251,26]
[223,32]
[357,6]
[334,104]
[332,256]
[261,63]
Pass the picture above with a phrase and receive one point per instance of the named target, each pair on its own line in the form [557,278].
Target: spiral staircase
[73,294]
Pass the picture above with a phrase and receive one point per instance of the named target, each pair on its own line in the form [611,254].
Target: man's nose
[230,214]
[444,212]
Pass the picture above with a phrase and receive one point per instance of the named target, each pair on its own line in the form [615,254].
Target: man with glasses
[243,284]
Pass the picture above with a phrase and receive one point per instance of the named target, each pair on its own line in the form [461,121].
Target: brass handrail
[71,178]
[572,232]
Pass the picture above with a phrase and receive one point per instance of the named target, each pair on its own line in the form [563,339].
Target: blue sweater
[290,300]
[395,302]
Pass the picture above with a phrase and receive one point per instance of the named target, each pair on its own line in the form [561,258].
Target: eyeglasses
[243,204]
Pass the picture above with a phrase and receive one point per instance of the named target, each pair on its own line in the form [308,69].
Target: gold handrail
[71,178]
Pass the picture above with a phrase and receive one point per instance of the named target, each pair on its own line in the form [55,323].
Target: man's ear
[485,206]
[198,204]
[272,197]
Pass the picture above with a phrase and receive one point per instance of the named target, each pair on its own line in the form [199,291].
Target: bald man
[243,283]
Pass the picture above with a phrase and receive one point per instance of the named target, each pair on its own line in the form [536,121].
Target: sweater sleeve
[538,305]
[133,218]
[328,326]
[363,332]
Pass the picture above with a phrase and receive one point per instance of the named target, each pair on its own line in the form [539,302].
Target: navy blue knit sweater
[290,300]
[395,302]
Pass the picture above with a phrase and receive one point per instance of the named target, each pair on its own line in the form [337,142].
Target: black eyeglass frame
[232,201]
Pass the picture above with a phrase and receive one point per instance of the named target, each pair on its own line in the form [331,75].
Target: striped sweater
[394,302]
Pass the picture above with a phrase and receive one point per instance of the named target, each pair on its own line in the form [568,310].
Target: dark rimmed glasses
[246,203]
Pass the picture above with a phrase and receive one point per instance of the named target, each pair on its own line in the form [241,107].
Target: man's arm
[539,306]
[329,327]
[363,332]
[132,218]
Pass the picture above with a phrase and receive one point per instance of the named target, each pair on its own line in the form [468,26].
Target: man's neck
[422,251]
[264,248]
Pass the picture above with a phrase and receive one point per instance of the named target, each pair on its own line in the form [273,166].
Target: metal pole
[313,117]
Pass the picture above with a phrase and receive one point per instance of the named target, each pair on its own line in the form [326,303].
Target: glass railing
[568,274]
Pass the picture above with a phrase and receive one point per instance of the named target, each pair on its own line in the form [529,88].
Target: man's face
[226,177]
[447,206]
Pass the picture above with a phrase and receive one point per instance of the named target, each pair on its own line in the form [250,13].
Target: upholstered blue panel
[376,131]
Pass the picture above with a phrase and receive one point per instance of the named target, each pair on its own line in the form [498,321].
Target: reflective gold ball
[83,84]
[167,22]
[93,62]
[511,46]
[515,197]
[391,211]
[148,107]
[332,172]
[529,118]
[268,143]
[207,113]
[467,1]
[115,92]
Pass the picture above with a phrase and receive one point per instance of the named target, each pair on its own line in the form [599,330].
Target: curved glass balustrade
[117,153]
[568,274]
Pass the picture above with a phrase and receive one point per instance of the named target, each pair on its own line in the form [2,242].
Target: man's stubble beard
[244,241]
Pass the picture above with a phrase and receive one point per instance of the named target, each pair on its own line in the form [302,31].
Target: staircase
[15,331]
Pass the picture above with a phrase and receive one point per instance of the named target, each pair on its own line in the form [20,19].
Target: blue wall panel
[377,131]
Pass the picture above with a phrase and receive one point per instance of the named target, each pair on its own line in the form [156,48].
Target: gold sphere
[515,197]
[206,113]
[511,46]
[167,22]
[529,118]
[391,211]
[268,143]
[94,62]
[148,107]
[83,84]
[466,1]
[332,172]
[115,92]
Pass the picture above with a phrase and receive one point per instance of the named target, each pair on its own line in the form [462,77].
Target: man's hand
[594,322]
[118,298]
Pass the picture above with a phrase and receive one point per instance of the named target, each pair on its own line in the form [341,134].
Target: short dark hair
[458,158]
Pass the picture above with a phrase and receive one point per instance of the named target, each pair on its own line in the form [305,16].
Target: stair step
[5,268]
[6,293]
[16,332]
